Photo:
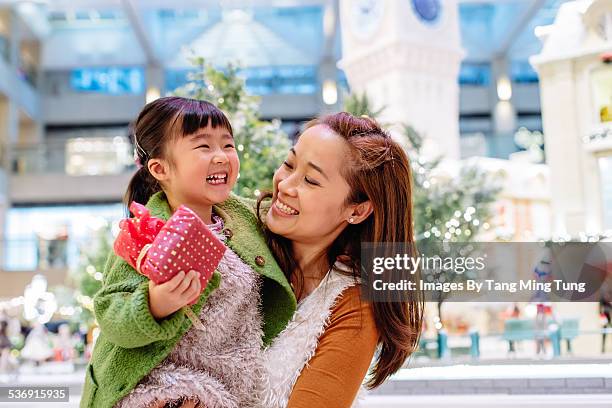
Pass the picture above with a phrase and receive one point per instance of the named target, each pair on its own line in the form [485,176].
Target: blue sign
[109,80]
[427,10]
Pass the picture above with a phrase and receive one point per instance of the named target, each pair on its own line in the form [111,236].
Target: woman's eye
[310,181]
[288,165]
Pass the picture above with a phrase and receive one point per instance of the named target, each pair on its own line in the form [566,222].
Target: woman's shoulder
[351,309]
[351,302]
[352,318]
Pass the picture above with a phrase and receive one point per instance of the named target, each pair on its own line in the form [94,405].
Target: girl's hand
[168,297]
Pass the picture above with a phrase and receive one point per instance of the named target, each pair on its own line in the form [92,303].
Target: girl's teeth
[216,179]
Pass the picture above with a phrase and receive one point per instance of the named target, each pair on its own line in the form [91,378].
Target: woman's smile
[283,209]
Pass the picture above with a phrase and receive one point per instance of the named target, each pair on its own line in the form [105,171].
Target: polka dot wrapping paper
[161,250]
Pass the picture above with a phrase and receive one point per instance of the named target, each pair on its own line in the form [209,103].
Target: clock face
[427,10]
[366,16]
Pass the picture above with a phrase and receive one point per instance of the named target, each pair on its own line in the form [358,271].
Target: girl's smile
[217,178]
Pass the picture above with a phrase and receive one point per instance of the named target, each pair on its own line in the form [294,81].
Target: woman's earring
[351,220]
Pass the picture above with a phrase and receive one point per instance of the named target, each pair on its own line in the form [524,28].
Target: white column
[503,112]
[563,146]
[329,92]
[411,67]
[9,129]
[15,40]
[154,82]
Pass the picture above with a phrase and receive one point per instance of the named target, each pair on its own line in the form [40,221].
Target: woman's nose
[287,186]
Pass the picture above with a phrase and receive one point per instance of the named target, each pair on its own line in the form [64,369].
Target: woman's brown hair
[157,124]
[377,170]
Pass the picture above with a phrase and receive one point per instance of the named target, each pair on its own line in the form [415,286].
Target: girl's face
[308,204]
[204,167]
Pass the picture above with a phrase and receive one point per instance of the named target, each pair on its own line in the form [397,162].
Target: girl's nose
[220,158]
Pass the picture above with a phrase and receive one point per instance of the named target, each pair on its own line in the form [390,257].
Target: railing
[37,254]
[28,73]
[75,157]
[557,342]
[4,48]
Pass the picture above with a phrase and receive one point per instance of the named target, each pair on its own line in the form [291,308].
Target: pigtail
[141,187]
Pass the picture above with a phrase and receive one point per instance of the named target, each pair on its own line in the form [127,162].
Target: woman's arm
[333,376]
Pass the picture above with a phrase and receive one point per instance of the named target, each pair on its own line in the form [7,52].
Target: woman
[344,182]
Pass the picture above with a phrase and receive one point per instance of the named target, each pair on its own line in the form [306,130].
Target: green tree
[262,145]
[86,278]
[359,104]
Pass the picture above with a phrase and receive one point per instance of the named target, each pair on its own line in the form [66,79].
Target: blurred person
[544,317]
[37,347]
[5,347]
[343,183]
[147,353]
[605,310]
[63,344]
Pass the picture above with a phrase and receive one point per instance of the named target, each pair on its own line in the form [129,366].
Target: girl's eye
[309,181]
[288,165]
[229,146]
[204,146]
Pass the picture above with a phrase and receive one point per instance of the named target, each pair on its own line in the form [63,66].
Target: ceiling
[259,32]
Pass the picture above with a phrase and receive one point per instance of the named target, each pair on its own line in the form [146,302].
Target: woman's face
[308,205]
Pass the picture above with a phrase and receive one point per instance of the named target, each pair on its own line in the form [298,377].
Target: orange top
[341,361]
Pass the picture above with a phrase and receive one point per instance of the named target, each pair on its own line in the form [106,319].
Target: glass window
[523,73]
[602,93]
[98,155]
[4,47]
[475,74]
[286,79]
[111,80]
[51,236]
[605,174]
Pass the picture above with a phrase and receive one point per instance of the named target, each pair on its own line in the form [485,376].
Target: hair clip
[137,159]
[137,150]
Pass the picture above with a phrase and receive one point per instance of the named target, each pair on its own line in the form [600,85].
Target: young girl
[148,353]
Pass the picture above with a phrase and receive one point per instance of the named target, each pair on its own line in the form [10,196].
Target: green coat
[132,342]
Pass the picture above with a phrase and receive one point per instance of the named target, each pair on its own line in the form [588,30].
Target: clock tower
[406,54]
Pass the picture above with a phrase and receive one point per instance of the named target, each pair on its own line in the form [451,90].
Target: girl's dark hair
[156,126]
[377,170]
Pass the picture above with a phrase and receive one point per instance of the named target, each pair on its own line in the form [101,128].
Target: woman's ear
[159,169]
[360,212]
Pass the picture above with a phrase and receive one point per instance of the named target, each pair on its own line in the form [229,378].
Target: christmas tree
[262,145]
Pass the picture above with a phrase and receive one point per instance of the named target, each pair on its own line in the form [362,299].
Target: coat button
[228,233]
[260,261]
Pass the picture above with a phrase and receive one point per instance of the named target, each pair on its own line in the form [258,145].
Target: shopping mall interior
[519,89]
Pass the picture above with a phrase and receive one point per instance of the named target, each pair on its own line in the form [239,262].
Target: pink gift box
[161,250]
